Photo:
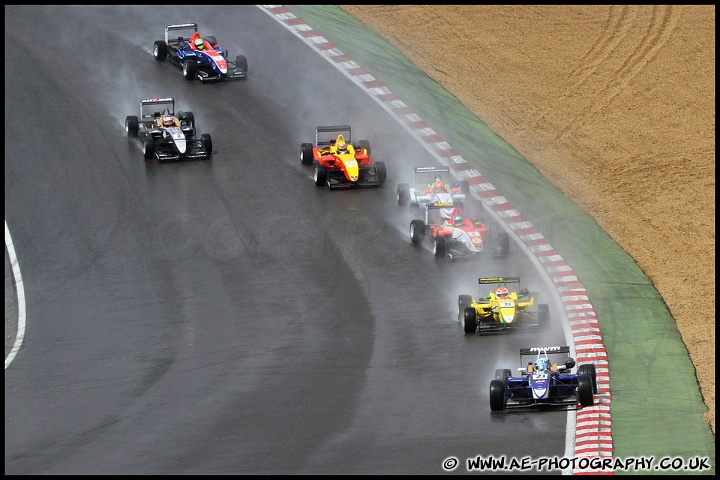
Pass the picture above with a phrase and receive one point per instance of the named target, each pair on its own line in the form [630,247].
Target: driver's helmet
[542,364]
[438,186]
[168,120]
[342,147]
[501,292]
[199,44]
[457,220]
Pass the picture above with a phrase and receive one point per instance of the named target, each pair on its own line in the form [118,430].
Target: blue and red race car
[197,56]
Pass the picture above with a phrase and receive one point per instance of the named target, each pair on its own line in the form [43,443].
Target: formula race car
[501,309]
[430,186]
[197,56]
[453,235]
[339,163]
[543,383]
[167,136]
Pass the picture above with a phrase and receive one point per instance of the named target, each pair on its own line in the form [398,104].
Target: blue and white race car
[198,56]
[542,383]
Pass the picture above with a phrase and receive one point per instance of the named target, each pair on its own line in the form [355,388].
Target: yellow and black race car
[501,309]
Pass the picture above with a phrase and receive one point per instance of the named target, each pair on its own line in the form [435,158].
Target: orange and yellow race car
[339,163]
[501,309]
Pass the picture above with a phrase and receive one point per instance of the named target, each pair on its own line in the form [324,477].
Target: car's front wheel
[381,171]
[589,370]
[440,247]
[585,391]
[306,154]
[148,147]
[131,126]
[320,175]
[417,231]
[189,69]
[470,320]
[206,141]
[497,395]
[464,301]
[242,63]
[160,50]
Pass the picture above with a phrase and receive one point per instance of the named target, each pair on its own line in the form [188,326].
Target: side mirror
[569,363]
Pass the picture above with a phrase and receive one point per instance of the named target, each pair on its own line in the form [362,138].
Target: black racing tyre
[381,171]
[241,63]
[585,391]
[470,320]
[206,141]
[211,40]
[160,50]
[320,175]
[306,153]
[403,194]
[589,369]
[497,395]
[502,374]
[188,117]
[148,147]
[503,245]
[364,144]
[131,126]
[464,187]
[189,68]
[440,247]
[543,314]
[464,301]
[417,231]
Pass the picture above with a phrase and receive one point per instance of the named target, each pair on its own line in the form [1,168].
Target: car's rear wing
[443,205]
[189,28]
[498,280]
[432,169]
[326,135]
[548,350]
[153,107]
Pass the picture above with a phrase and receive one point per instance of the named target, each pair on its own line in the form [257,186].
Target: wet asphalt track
[227,316]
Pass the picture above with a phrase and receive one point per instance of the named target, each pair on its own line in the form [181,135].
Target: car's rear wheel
[189,69]
[502,374]
[160,50]
[381,171]
[464,187]
[417,231]
[242,63]
[589,370]
[364,144]
[212,41]
[497,395]
[320,175]
[585,391]
[543,314]
[503,245]
[131,126]
[464,301]
[148,147]
[403,194]
[206,141]
[188,117]
[440,247]
[470,320]
[306,154]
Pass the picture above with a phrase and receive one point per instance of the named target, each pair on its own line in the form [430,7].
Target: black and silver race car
[164,135]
